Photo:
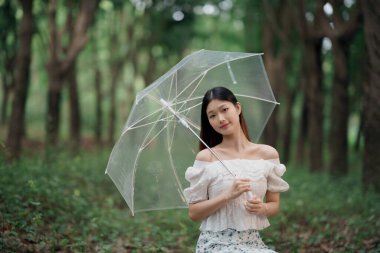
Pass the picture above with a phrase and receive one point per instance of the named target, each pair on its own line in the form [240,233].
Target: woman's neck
[237,142]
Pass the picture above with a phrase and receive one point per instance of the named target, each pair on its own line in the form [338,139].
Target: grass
[67,204]
[325,214]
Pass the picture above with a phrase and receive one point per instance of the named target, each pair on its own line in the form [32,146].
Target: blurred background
[69,72]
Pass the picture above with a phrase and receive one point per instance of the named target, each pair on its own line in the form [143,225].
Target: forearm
[272,208]
[202,210]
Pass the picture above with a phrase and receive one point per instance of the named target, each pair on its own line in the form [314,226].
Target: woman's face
[223,116]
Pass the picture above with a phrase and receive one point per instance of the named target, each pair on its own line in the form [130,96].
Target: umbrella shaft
[212,151]
[185,124]
[167,105]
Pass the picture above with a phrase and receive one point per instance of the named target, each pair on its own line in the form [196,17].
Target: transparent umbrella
[160,139]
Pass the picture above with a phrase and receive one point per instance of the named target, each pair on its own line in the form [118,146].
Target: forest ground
[63,202]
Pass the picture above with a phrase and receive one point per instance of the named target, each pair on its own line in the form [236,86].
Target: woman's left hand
[256,206]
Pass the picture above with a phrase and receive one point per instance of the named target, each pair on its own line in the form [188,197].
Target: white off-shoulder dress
[231,228]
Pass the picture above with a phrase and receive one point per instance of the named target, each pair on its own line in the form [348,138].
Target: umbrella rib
[165,76]
[191,83]
[132,125]
[169,119]
[170,156]
[154,137]
[154,84]
[237,95]
[231,73]
[153,113]
[192,124]
[170,139]
[171,84]
[189,108]
[135,162]
[261,99]
[188,100]
[184,101]
[176,176]
[210,68]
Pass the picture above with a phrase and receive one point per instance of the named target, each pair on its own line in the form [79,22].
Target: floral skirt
[231,240]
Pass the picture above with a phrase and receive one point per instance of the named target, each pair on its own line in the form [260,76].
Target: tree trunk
[340,34]
[315,103]
[7,87]
[75,114]
[62,57]
[271,129]
[302,138]
[115,72]
[339,112]
[112,117]
[359,133]
[17,122]
[8,42]
[278,28]
[54,105]
[98,106]
[312,38]
[116,67]
[371,168]
[151,69]
[252,25]
[302,134]
[288,125]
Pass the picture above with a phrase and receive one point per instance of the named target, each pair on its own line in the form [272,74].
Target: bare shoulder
[267,152]
[204,155]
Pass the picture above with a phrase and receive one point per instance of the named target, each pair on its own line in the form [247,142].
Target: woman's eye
[211,116]
[225,109]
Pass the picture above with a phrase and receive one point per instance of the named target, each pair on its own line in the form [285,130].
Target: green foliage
[325,214]
[67,204]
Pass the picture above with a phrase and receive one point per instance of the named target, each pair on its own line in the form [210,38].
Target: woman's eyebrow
[211,111]
[222,105]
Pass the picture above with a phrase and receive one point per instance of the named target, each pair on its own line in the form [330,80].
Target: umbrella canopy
[148,162]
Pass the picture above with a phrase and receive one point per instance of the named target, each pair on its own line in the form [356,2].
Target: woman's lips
[224,125]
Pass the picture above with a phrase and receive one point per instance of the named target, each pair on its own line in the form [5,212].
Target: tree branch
[79,38]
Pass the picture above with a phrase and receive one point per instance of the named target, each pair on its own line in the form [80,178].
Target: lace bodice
[209,179]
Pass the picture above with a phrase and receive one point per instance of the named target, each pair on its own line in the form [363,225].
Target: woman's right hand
[201,210]
[238,187]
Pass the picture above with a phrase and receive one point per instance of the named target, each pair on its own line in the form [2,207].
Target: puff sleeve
[275,182]
[197,176]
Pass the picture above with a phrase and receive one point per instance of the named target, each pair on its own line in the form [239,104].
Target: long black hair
[208,134]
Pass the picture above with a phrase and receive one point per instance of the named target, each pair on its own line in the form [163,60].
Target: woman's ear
[238,107]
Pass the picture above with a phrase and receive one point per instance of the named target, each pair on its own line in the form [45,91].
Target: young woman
[230,216]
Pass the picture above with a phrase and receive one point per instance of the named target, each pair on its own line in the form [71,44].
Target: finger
[252,211]
[256,201]
[249,208]
[246,180]
[244,187]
